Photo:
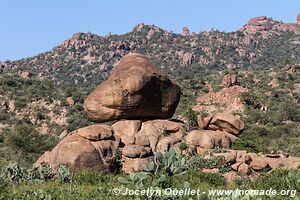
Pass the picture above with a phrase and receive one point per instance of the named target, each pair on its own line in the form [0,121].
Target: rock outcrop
[229,80]
[216,130]
[227,99]
[135,89]
[185,31]
[266,25]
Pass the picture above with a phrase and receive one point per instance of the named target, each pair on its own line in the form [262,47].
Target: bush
[27,142]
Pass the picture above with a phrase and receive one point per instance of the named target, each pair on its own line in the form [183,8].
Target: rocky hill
[87,58]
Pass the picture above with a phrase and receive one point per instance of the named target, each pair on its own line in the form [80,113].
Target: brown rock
[258,163]
[235,166]
[135,89]
[227,99]
[3,104]
[229,157]
[136,151]
[95,132]
[130,165]
[166,143]
[126,130]
[244,169]
[80,153]
[70,101]
[187,59]
[63,134]
[228,123]
[139,27]
[185,31]
[25,75]
[11,105]
[243,157]
[202,151]
[203,121]
[229,80]
[209,139]
[155,130]
[298,19]
[214,170]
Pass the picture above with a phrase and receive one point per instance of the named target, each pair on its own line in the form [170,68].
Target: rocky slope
[87,58]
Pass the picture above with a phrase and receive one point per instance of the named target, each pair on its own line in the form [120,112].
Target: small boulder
[203,121]
[258,163]
[136,151]
[209,139]
[154,131]
[228,123]
[11,105]
[244,169]
[229,80]
[126,130]
[70,101]
[130,165]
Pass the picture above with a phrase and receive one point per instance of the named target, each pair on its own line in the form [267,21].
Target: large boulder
[90,147]
[209,139]
[135,89]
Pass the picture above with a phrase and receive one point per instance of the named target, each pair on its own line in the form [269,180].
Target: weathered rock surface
[209,139]
[227,123]
[95,132]
[126,130]
[79,152]
[135,89]
[263,24]
[185,31]
[229,80]
[153,131]
[226,100]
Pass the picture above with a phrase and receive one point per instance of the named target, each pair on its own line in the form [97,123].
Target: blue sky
[34,26]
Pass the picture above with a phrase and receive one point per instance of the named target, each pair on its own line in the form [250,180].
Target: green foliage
[64,174]
[198,162]
[135,180]
[27,143]
[4,188]
[171,163]
[40,174]
[15,173]
[183,146]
